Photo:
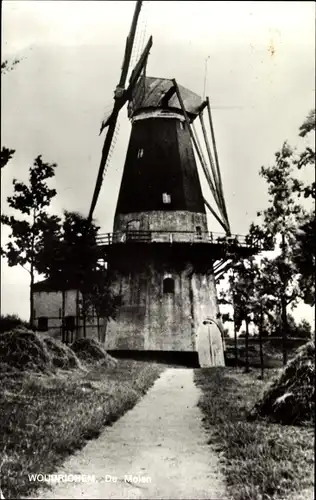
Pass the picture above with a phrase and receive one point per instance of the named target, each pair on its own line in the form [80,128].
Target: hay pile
[60,354]
[22,349]
[90,351]
[290,398]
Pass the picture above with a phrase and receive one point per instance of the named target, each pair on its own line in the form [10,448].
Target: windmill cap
[150,92]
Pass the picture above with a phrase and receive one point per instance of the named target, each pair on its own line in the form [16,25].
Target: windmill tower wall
[163,271]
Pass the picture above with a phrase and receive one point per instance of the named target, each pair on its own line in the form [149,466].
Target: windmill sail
[120,98]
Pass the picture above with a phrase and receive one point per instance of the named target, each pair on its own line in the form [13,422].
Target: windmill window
[42,324]
[140,153]
[166,198]
[168,285]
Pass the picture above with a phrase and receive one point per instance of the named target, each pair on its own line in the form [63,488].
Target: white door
[204,347]
[210,346]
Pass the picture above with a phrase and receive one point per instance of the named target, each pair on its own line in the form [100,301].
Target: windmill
[162,259]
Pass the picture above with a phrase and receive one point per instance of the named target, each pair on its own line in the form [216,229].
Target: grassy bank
[260,460]
[47,417]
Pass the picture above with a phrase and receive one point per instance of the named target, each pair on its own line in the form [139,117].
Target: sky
[255,60]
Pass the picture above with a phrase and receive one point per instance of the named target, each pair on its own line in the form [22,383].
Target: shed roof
[48,286]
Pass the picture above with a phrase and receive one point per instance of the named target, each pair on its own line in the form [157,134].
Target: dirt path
[160,443]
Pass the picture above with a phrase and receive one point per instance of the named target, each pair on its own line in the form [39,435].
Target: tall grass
[47,417]
[261,461]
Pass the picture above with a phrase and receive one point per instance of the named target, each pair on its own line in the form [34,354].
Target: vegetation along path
[156,450]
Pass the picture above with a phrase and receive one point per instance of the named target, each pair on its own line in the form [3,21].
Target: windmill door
[210,349]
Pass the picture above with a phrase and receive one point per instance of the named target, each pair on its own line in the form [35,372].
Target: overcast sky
[260,80]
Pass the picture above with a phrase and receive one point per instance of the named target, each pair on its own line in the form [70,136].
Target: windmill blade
[120,89]
[201,159]
[223,224]
[104,157]
[204,165]
[218,264]
[107,112]
[140,36]
[220,274]
[139,66]
[129,45]
[215,178]
[120,98]
[221,201]
[219,177]
[111,122]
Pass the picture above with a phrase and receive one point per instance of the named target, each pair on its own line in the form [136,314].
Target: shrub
[10,321]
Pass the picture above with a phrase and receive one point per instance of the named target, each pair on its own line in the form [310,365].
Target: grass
[272,355]
[47,417]
[260,460]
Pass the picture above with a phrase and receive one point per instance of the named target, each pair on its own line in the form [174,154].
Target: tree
[307,157]
[280,219]
[304,257]
[7,65]
[6,153]
[271,285]
[226,333]
[26,240]
[226,317]
[71,254]
[254,292]
[10,321]
[99,298]
[239,295]
[304,248]
[303,330]
[72,258]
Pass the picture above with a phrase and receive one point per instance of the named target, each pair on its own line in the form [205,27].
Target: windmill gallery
[161,257]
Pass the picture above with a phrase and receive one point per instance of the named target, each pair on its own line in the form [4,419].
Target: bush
[303,330]
[10,321]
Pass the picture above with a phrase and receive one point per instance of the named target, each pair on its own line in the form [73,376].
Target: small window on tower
[140,153]
[166,198]
[168,285]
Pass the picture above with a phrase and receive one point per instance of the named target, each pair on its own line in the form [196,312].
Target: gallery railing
[235,240]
